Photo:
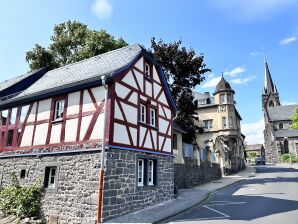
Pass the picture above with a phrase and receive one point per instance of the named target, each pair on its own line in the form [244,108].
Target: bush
[21,201]
[287,158]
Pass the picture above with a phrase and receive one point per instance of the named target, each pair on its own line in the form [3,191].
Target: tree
[252,155]
[184,70]
[294,119]
[72,41]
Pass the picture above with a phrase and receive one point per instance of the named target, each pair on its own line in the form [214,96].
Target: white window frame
[208,124]
[231,123]
[52,185]
[152,117]
[224,122]
[59,111]
[143,113]
[140,173]
[222,98]
[151,172]
[147,70]
[229,98]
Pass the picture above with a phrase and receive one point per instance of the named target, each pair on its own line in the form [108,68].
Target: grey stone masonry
[121,193]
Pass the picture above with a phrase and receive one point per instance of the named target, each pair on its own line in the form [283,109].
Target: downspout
[102,158]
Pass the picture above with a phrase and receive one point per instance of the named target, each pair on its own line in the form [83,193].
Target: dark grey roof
[223,86]
[203,97]
[104,64]
[10,82]
[286,133]
[269,87]
[282,113]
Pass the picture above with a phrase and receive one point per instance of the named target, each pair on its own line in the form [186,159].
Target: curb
[206,198]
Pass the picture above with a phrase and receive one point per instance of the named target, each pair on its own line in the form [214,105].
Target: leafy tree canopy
[184,70]
[72,41]
[294,119]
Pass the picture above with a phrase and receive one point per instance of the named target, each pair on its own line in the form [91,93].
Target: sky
[233,36]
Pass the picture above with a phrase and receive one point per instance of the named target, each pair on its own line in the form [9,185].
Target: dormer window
[147,70]
[59,110]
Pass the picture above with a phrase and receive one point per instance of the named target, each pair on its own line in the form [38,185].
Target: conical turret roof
[223,86]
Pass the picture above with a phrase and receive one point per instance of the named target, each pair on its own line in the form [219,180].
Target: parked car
[259,160]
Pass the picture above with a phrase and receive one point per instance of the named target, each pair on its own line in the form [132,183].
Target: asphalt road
[271,196]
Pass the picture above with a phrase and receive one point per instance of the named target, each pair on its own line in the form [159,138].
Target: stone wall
[190,174]
[121,193]
[74,200]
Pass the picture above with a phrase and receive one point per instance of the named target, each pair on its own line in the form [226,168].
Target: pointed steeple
[268,83]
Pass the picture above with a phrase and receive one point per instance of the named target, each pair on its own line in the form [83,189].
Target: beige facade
[222,141]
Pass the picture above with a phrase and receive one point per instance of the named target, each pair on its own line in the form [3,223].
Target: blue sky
[232,34]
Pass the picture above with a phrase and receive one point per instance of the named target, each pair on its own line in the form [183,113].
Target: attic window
[59,110]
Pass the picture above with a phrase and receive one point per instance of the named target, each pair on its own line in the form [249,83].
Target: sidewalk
[288,165]
[186,199]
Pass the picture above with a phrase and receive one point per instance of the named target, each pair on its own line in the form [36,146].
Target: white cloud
[236,71]
[254,132]
[210,83]
[252,10]
[287,41]
[241,81]
[102,9]
[255,53]
[288,103]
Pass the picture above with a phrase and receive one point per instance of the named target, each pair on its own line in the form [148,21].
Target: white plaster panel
[99,94]
[161,112]
[121,90]
[117,112]
[133,98]
[131,113]
[73,103]
[120,134]
[140,79]
[142,135]
[170,130]
[140,64]
[56,133]
[148,88]
[129,79]
[41,133]
[153,103]
[143,98]
[168,112]
[154,135]
[97,131]
[160,141]
[168,145]
[163,99]
[163,125]
[87,102]
[27,136]
[157,89]
[71,128]
[84,126]
[155,75]
[32,113]
[148,142]
[134,135]
[44,109]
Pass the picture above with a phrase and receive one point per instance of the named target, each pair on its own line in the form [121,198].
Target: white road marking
[223,214]
[230,203]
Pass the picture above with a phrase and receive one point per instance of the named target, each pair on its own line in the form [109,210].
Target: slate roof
[204,96]
[10,82]
[104,64]
[223,86]
[282,113]
[286,133]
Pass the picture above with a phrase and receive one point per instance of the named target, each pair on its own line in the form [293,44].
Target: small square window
[23,174]
[59,110]
[50,177]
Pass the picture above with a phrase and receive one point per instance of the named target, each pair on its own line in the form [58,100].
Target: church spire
[268,83]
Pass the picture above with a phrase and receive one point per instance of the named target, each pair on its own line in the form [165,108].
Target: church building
[278,136]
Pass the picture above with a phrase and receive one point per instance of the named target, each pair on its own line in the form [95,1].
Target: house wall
[178,153]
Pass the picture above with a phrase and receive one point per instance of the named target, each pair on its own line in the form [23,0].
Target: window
[13,116]
[4,116]
[23,174]
[152,117]
[59,110]
[224,122]
[19,134]
[175,141]
[229,98]
[143,113]
[222,98]
[2,135]
[150,172]
[281,125]
[147,70]
[208,124]
[230,121]
[9,137]
[50,177]
[140,172]
[24,111]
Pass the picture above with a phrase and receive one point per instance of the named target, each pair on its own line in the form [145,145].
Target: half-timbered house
[53,131]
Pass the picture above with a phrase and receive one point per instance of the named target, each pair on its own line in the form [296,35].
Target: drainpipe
[102,159]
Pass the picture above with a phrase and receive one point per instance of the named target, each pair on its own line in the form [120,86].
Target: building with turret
[278,136]
[222,141]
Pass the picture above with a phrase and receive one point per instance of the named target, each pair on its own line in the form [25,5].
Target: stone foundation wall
[75,198]
[121,193]
[190,174]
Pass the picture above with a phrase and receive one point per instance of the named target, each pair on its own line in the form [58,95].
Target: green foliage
[287,158]
[21,201]
[184,70]
[252,155]
[72,41]
[294,119]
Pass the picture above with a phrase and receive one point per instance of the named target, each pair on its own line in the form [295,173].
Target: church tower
[270,95]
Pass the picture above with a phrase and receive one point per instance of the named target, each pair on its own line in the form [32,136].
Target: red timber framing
[17,138]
